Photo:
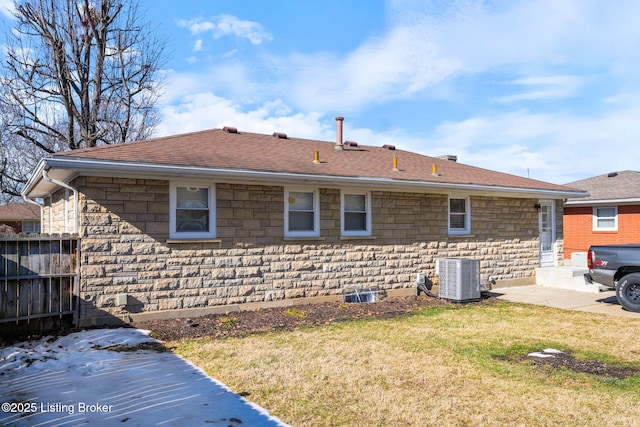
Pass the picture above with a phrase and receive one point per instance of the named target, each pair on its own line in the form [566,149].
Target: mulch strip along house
[221,220]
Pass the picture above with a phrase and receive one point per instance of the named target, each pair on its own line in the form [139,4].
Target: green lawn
[460,365]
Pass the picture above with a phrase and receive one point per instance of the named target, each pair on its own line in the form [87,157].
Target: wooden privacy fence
[38,279]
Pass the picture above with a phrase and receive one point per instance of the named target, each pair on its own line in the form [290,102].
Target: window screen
[355,212]
[192,209]
[301,211]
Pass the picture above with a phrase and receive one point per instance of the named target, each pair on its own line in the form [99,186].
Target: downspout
[75,197]
[28,200]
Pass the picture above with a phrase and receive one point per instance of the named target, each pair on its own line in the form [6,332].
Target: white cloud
[228,25]
[396,65]
[197,26]
[421,51]
[197,46]
[524,34]
[231,80]
[544,88]
[552,147]
[208,111]
[7,8]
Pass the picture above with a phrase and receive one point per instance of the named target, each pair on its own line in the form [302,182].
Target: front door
[547,225]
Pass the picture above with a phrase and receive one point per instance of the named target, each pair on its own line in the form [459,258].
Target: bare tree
[78,73]
[17,157]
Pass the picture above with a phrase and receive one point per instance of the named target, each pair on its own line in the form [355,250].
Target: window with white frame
[605,218]
[459,215]
[302,213]
[193,211]
[355,213]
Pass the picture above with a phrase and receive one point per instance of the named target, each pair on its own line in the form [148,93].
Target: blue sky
[546,89]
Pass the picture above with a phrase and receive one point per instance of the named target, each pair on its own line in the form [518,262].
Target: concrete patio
[568,299]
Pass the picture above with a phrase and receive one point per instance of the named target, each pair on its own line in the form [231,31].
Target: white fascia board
[78,166]
[35,178]
[38,187]
[634,201]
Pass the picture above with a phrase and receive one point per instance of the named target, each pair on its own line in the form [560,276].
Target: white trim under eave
[634,201]
[77,166]
[34,179]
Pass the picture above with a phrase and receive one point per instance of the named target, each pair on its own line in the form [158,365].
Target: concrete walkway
[603,302]
[82,379]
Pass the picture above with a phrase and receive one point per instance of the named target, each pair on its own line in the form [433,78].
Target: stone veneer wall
[124,249]
[54,217]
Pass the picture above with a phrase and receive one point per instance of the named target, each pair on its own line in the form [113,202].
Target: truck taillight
[590,259]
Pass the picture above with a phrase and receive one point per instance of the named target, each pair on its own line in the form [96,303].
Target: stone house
[221,220]
[609,215]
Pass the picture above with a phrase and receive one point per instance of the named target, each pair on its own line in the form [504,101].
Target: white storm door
[547,225]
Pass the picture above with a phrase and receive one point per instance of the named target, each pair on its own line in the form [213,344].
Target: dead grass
[441,366]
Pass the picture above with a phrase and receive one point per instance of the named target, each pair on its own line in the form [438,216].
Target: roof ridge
[239,132]
[136,142]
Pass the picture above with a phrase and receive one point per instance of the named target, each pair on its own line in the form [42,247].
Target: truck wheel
[628,292]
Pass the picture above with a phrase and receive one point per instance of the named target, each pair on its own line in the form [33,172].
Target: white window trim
[595,219]
[467,217]
[173,234]
[367,201]
[316,212]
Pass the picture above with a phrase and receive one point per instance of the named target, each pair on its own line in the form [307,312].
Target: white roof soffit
[66,168]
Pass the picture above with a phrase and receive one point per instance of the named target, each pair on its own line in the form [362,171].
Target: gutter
[630,201]
[167,171]
[75,197]
[37,173]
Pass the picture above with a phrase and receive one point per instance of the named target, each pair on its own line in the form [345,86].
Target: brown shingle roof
[267,153]
[611,186]
[19,212]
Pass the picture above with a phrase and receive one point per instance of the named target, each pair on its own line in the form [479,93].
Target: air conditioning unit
[458,279]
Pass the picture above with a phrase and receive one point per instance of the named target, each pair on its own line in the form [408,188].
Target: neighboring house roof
[614,187]
[19,212]
[250,157]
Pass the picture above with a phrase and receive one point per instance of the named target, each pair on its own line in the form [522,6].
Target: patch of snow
[539,354]
[75,379]
[546,353]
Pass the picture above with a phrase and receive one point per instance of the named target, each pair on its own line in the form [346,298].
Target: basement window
[605,218]
[193,209]
[302,213]
[459,215]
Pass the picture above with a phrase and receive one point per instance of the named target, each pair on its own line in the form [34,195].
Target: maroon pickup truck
[617,267]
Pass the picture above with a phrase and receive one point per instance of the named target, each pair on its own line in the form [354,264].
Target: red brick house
[20,217]
[223,219]
[609,215]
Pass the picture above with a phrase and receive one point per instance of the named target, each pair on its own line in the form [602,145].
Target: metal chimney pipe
[339,121]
